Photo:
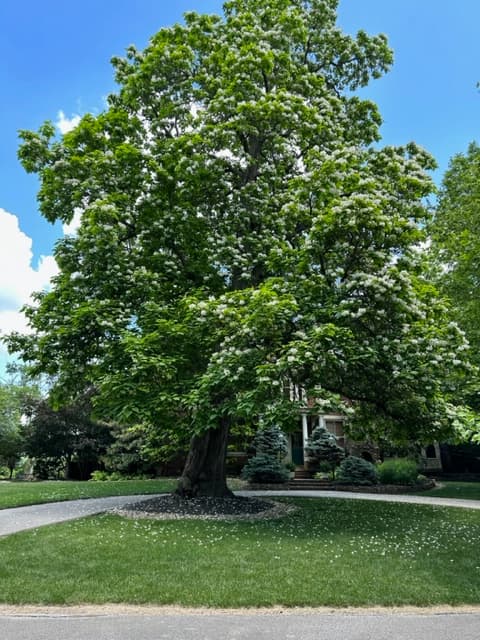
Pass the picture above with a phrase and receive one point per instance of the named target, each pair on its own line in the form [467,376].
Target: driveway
[38,515]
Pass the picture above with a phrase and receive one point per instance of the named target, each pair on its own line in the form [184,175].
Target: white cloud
[65,124]
[71,228]
[18,278]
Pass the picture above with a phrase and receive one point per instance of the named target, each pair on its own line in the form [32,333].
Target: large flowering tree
[240,233]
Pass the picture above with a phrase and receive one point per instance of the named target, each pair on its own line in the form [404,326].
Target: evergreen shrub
[264,468]
[357,471]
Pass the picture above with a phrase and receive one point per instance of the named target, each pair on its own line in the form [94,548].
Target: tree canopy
[456,241]
[240,232]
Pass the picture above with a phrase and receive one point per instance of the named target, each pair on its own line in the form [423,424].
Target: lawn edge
[114,609]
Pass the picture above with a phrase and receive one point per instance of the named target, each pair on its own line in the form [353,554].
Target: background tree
[456,242]
[11,448]
[240,232]
[132,451]
[65,442]
[12,399]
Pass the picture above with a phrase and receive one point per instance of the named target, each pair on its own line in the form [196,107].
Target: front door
[297,448]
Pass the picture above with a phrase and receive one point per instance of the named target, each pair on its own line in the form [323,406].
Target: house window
[336,427]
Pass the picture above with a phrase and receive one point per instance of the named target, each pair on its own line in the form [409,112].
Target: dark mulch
[202,506]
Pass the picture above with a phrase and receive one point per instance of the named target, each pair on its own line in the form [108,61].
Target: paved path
[380,497]
[211,625]
[23,518]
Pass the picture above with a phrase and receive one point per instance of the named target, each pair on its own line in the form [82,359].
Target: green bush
[358,471]
[264,468]
[115,476]
[322,450]
[99,476]
[398,471]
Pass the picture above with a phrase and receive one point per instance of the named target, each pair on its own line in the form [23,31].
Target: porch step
[303,474]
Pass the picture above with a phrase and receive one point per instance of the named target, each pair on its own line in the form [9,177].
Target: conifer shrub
[357,471]
[264,468]
[322,449]
[271,441]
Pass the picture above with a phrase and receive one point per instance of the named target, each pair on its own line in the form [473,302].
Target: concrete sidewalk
[24,518]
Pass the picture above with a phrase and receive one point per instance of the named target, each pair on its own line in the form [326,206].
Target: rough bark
[204,473]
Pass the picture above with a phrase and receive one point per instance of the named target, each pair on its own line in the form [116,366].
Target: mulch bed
[172,507]
[376,488]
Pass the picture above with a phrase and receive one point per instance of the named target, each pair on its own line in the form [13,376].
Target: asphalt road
[243,626]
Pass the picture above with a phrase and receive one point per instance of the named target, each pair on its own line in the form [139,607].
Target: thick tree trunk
[204,473]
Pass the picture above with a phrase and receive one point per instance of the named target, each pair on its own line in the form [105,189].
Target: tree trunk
[204,473]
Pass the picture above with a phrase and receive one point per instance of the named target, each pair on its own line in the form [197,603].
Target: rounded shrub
[264,468]
[398,471]
[358,471]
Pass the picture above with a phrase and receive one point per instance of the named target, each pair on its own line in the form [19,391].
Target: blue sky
[54,57]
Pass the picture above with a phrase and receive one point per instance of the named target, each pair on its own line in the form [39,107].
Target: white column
[304,429]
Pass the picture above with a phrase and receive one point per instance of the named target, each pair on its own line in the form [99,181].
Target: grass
[464,490]
[330,552]
[16,494]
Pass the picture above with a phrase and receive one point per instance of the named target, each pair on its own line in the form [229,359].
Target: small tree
[270,448]
[12,398]
[322,446]
[271,441]
[11,448]
[129,454]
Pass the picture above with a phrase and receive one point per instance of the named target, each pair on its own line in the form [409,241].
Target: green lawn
[330,552]
[15,494]
[464,490]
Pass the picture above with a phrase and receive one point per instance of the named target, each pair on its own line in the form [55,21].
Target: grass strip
[16,494]
[449,489]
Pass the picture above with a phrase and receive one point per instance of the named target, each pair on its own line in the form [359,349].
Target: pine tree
[322,446]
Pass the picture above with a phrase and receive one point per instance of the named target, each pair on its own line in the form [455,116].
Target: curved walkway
[37,515]
[379,497]
[24,518]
